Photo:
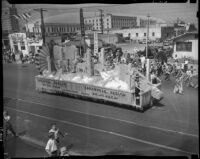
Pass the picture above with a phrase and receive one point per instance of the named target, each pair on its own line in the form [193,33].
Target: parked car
[144,41]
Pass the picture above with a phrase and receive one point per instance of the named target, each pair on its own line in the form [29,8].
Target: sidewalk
[42,145]
[26,146]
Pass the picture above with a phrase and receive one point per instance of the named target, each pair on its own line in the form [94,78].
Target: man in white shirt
[51,147]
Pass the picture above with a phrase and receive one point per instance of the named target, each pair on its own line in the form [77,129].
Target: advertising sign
[67,87]
[95,43]
[17,37]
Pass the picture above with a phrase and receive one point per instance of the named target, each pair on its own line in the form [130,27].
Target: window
[145,34]
[136,34]
[23,48]
[184,46]
[153,34]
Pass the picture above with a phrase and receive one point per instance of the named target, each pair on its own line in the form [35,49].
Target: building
[155,33]
[167,32]
[18,42]
[106,38]
[111,22]
[58,29]
[9,23]
[144,23]
[140,33]
[186,45]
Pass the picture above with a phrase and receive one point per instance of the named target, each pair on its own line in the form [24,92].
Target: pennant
[28,15]
[23,16]
[17,16]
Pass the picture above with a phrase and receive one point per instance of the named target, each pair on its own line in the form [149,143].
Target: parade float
[65,72]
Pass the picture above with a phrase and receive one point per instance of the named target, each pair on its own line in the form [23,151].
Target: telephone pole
[82,29]
[147,36]
[101,20]
[41,10]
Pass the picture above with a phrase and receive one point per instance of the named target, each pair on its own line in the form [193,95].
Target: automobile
[144,41]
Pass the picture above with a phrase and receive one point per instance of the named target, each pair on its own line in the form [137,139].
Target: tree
[192,28]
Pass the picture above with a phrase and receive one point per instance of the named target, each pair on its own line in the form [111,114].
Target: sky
[169,12]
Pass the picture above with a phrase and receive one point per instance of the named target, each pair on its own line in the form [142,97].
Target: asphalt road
[170,128]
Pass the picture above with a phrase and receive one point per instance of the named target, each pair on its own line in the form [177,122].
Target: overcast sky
[169,12]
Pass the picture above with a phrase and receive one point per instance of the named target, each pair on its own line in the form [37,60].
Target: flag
[17,16]
[28,15]
[23,16]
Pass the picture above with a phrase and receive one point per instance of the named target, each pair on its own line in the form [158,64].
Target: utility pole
[82,29]
[42,23]
[101,20]
[147,60]
[147,36]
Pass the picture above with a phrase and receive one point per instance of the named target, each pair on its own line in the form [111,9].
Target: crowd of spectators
[19,57]
[162,69]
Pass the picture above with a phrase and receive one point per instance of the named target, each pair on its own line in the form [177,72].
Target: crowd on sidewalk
[18,58]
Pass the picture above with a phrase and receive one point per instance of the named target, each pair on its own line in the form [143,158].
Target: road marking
[109,132]
[121,120]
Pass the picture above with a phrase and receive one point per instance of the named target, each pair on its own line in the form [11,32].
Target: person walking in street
[7,124]
[51,146]
[57,133]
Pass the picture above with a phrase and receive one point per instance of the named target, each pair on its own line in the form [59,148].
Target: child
[56,132]
[51,147]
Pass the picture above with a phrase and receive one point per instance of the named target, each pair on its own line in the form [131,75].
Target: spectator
[153,78]
[21,57]
[63,151]
[56,132]
[7,124]
[186,65]
[142,58]
[51,147]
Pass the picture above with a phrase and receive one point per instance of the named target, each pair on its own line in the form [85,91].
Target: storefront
[18,43]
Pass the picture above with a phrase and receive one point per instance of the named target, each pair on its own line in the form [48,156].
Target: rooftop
[184,35]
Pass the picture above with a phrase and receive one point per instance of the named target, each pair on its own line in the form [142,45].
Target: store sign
[17,37]
[95,43]
[57,86]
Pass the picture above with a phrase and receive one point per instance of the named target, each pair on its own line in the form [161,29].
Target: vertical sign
[95,43]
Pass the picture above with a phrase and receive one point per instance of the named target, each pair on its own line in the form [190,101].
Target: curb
[43,144]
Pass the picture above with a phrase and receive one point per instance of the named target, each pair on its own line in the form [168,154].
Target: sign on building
[95,43]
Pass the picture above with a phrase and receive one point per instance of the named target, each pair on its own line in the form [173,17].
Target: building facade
[155,33]
[186,45]
[111,22]
[61,28]
[144,23]
[140,33]
[167,33]
[9,23]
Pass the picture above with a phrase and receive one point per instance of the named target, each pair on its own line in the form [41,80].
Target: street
[168,128]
